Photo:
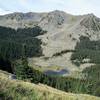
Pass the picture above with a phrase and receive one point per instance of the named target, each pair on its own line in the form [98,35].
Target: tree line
[12,42]
[86,49]
[68,84]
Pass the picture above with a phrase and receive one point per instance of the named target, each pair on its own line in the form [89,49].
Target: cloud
[76,7]
[26,5]
[3,12]
[54,1]
[23,2]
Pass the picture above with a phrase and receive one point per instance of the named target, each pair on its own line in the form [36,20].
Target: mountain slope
[63,33]
[19,90]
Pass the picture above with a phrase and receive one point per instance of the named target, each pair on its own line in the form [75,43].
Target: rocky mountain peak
[57,12]
[49,21]
[91,22]
[12,16]
[91,15]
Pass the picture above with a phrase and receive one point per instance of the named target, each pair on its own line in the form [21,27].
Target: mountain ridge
[63,33]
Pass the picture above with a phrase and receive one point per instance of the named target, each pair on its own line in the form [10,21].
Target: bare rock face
[91,22]
[63,32]
[20,20]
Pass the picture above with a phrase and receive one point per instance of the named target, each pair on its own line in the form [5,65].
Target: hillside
[55,48]
[19,90]
[63,32]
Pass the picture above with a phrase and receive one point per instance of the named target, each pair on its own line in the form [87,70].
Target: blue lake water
[60,72]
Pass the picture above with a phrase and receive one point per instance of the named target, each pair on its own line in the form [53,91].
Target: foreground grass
[19,90]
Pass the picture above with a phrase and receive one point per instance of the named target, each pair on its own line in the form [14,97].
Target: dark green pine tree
[23,71]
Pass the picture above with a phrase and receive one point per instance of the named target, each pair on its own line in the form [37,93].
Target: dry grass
[20,90]
[45,68]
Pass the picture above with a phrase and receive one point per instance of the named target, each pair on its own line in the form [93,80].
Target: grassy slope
[19,90]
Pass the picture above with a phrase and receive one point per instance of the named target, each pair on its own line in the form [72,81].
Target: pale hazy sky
[75,7]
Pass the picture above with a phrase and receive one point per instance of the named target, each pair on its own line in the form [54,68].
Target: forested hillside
[22,43]
[14,43]
[86,49]
[84,85]
[68,44]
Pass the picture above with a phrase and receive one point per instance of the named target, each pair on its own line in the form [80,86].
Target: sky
[75,7]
